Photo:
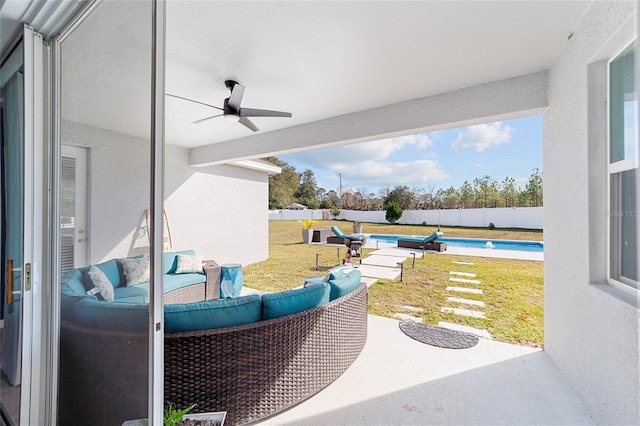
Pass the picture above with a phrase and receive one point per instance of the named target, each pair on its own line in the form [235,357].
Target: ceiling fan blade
[236,97]
[191,100]
[207,118]
[252,112]
[248,123]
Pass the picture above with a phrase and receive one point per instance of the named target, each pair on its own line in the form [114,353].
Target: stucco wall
[591,330]
[214,210]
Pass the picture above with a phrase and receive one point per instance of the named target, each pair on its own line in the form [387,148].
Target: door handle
[9,282]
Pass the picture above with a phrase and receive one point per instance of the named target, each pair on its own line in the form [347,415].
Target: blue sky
[444,158]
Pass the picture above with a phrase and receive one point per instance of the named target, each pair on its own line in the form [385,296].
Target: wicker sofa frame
[208,290]
[435,246]
[252,371]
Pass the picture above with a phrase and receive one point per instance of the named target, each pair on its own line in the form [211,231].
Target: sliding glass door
[22,214]
[105,115]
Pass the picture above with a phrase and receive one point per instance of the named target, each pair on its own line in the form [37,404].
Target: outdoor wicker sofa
[252,371]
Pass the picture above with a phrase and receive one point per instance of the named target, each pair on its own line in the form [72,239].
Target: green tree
[466,195]
[449,198]
[282,186]
[509,192]
[534,188]
[486,191]
[403,195]
[308,189]
[394,212]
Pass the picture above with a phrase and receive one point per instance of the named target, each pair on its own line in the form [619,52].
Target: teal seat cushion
[412,239]
[133,294]
[276,305]
[344,285]
[212,314]
[431,238]
[177,281]
[117,315]
[170,260]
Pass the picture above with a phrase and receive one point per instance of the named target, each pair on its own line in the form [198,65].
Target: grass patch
[512,289]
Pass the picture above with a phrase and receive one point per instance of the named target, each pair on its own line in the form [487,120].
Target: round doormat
[438,336]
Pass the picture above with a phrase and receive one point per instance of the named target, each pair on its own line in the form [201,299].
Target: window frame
[615,170]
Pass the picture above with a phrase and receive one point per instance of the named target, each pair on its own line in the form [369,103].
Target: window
[623,167]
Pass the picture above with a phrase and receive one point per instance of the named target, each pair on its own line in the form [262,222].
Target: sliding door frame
[156,312]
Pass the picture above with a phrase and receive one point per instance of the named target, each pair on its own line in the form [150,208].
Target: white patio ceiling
[322,61]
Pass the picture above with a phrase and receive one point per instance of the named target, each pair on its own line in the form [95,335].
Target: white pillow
[189,264]
[136,270]
[101,283]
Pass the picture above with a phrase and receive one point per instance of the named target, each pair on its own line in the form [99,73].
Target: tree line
[290,186]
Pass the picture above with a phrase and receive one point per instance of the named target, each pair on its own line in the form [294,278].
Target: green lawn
[512,289]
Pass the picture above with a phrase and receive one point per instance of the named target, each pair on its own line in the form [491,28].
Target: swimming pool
[534,246]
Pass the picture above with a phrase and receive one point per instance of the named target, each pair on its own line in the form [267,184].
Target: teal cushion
[338,232]
[431,238]
[212,314]
[412,239]
[336,274]
[72,283]
[276,305]
[134,294]
[344,285]
[95,313]
[176,281]
[113,271]
[170,261]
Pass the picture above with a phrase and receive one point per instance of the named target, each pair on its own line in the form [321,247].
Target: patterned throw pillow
[189,264]
[136,270]
[101,283]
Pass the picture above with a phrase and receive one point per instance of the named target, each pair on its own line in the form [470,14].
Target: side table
[231,272]
[320,235]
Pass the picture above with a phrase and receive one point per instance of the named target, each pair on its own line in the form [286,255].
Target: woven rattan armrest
[212,284]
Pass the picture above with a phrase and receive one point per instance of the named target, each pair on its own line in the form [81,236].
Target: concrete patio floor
[399,381]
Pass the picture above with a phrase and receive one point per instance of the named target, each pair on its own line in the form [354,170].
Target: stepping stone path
[408,317]
[382,261]
[454,277]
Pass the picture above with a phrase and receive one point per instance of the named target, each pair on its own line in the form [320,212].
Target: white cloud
[423,142]
[371,173]
[342,156]
[482,136]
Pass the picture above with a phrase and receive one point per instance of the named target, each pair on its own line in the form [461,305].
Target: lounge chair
[341,236]
[426,243]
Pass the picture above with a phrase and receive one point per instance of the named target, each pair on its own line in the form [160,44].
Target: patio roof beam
[498,100]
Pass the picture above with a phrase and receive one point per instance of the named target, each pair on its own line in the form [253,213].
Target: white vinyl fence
[514,217]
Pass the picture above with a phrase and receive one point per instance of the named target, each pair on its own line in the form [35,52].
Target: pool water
[534,246]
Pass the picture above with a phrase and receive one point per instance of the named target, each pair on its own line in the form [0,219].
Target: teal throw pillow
[276,305]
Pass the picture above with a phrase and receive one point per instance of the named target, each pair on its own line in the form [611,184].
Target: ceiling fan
[232,110]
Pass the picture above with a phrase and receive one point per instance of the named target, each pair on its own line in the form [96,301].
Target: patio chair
[341,237]
[426,243]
